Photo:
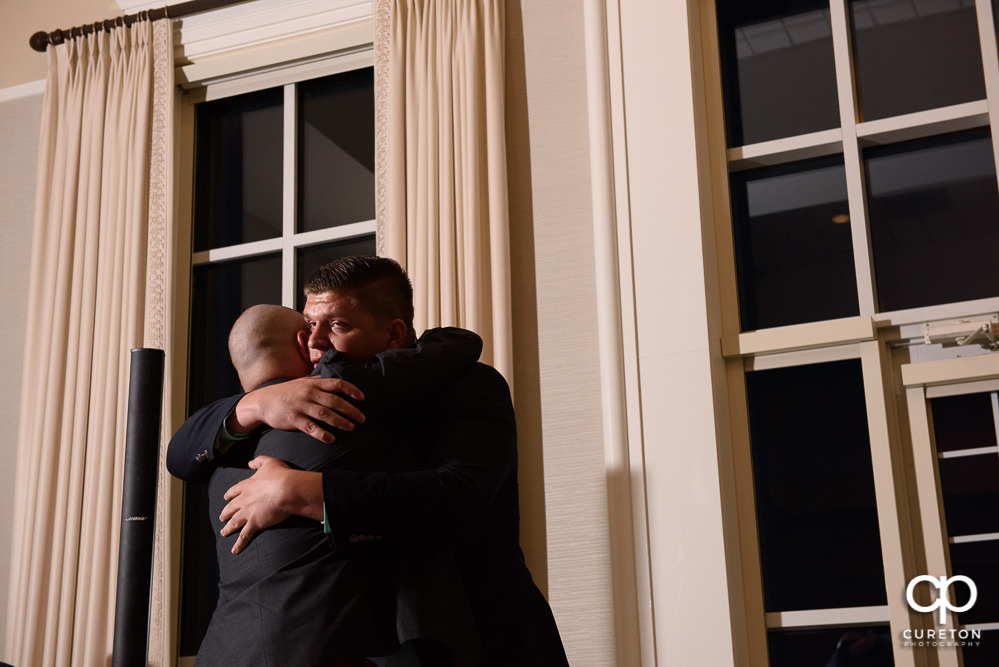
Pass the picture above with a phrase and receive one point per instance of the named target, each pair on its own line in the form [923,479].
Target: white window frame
[290,241]
[230,51]
[924,381]
[873,337]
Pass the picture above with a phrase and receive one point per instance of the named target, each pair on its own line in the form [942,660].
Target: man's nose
[319,339]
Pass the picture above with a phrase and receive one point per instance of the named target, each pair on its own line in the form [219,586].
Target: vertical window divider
[749,536]
[994,399]
[895,500]
[990,66]
[849,110]
[719,166]
[289,192]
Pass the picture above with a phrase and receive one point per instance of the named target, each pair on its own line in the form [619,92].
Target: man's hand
[268,497]
[299,405]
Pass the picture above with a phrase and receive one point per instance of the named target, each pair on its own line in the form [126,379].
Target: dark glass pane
[979,561]
[311,258]
[794,252]
[970,489]
[839,647]
[985,653]
[818,524]
[963,422]
[220,292]
[915,56]
[237,192]
[778,75]
[336,150]
[933,207]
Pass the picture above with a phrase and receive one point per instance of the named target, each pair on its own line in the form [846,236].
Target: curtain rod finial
[39,41]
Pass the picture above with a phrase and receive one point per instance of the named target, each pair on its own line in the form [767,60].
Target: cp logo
[942,602]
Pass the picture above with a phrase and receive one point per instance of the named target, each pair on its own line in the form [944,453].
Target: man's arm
[474,453]
[294,405]
[191,452]
[399,377]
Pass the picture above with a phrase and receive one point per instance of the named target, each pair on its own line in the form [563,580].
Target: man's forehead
[331,300]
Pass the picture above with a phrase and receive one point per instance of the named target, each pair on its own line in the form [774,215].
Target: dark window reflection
[311,258]
[777,69]
[794,251]
[969,486]
[912,56]
[977,561]
[933,207]
[986,653]
[220,293]
[238,180]
[970,489]
[839,647]
[963,422]
[336,150]
[818,525]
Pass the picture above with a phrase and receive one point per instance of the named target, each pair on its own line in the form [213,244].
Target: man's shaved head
[264,345]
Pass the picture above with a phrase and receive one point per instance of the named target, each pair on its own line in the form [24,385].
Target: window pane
[336,150]
[794,252]
[220,293]
[970,489]
[777,69]
[915,56]
[933,206]
[977,561]
[870,647]
[963,422]
[311,258]
[818,524]
[986,654]
[238,173]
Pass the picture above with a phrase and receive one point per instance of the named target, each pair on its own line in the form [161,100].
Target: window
[964,430]
[856,203]
[283,183]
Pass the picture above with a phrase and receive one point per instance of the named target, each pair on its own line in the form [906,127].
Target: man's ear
[397,333]
[302,337]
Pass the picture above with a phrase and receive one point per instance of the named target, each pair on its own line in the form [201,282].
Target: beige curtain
[98,238]
[441,162]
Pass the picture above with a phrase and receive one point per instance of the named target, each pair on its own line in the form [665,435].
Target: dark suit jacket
[462,497]
[308,602]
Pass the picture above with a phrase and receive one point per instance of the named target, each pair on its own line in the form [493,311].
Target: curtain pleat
[441,162]
[87,309]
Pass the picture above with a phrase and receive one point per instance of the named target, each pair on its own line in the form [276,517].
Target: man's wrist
[304,494]
[244,418]
[226,438]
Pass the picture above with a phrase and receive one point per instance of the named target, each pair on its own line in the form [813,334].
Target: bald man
[269,343]
[306,602]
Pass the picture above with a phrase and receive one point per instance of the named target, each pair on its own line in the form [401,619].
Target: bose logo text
[942,584]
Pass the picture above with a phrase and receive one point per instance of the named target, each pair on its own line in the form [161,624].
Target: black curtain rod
[41,40]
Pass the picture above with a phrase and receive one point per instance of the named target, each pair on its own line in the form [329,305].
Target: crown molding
[261,34]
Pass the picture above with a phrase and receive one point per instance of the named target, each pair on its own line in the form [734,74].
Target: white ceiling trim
[262,33]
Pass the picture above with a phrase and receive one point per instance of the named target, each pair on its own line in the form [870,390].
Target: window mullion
[990,66]
[897,502]
[289,196]
[855,186]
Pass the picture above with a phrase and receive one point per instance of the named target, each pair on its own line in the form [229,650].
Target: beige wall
[19,123]
[559,414]
[23,18]
[564,471]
